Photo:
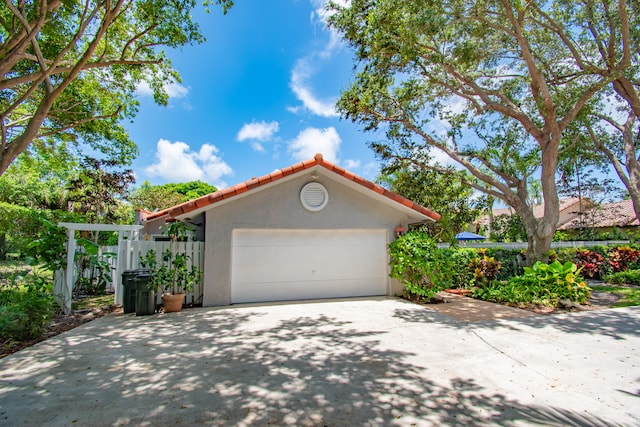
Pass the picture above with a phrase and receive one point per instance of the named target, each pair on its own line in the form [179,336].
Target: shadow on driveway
[332,364]
[615,323]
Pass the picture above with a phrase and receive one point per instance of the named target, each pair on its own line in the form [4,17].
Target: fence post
[67,290]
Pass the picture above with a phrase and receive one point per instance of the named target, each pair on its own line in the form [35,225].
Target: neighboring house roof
[255,183]
[569,209]
[617,214]
[538,210]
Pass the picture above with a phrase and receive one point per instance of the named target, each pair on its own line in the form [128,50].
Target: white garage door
[279,265]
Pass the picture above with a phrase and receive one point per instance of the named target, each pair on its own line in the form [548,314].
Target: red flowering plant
[485,269]
[591,262]
[621,257]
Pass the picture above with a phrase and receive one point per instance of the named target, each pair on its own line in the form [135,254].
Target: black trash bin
[129,289]
[145,297]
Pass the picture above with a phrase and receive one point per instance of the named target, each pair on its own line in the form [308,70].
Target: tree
[39,177]
[98,189]
[192,189]
[443,193]
[53,182]
[618,140]
[33,186]
[611,33]
[507,228]
[69,69]
[19,223]
[610,46]
[158,197]
[493,84]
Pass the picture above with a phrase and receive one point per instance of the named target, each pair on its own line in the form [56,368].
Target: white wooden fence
[131,252]
[128,257]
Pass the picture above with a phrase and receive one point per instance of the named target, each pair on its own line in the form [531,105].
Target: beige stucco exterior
[279,207]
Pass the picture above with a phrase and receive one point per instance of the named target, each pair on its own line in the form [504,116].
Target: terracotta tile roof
[538,210]
[253,183]
[568,208]
[146,215]
[617,214]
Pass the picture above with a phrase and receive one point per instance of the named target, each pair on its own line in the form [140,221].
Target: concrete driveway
[369,362]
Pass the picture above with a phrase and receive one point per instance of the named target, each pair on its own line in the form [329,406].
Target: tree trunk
[3,246]
[632,164]
[539,247]
[540,231]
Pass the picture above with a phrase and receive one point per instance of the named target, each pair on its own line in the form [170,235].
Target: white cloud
[174,90]
[257,146]
[313,140]
[371,170]
[257,131]
[442,158]
[176,162]
[301,72]
[320,16]
[304,68]
[143,89]
[351,164]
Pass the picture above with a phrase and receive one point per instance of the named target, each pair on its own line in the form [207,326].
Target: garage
[279,265]
[312,230]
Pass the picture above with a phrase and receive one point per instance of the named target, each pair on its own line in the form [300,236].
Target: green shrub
[562,280]
[509,259]
[417,263]
[564,254]
[26,307]
[631,277]
[456,268]
[519,291]
[542,284]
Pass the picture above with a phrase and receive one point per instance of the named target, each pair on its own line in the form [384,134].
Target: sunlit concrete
[369,362]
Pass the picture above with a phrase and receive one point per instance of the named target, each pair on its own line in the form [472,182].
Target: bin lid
[136,271]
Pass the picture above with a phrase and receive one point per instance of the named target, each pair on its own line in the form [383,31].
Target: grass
[10,268]
[93,302]
[629,296]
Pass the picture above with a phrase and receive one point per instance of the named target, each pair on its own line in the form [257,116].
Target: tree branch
[79,123]
[10,83]
[612,157]
[16,44]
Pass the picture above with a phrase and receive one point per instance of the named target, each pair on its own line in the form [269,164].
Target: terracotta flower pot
[172,303]
[463,292]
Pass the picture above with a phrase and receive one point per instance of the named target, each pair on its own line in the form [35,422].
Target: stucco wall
[279,207]
[153,227]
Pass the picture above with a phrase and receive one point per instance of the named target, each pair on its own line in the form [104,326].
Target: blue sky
[257,96]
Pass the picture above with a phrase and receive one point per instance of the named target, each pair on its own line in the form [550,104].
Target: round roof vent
[314,196]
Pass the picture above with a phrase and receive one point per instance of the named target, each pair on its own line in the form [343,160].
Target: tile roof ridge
[153,214]
[317,160]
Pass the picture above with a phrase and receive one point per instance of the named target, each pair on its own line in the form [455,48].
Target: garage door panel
[275,238]
[308,255]
[256,273]
[274,291]
[271,265]
[304,252]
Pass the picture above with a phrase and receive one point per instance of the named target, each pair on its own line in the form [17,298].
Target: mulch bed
[60,323]
[597,301]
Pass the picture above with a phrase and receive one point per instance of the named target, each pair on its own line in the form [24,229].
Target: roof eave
[194,207]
